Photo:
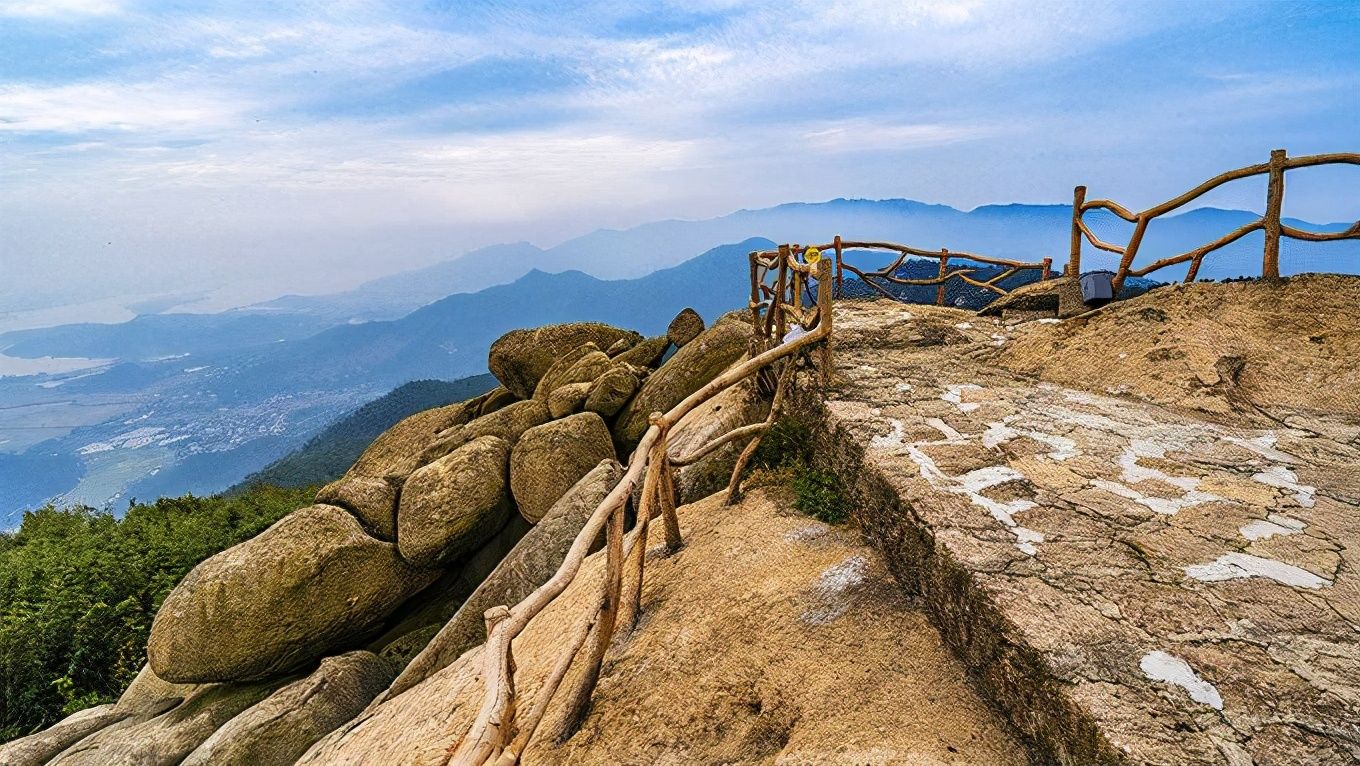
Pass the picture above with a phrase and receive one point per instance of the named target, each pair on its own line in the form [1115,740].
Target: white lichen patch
[1000,433]
[834,590]
[1236,566]
[1168,668]
[1283,478]
[946,429]
[971,484]
[903,388]
[1272,525]
[954,395]
[964,326]
[892,440]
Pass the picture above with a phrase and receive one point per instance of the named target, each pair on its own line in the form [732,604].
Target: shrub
[821,495]
[78,590]
[786,454]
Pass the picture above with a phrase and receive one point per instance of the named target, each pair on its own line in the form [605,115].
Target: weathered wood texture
[1270,222]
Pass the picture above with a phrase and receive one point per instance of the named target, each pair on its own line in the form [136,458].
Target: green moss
[821,495]
[785,456]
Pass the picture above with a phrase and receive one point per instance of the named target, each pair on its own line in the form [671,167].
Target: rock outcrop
[310,582]
[507,423]
[170,737]
[528,565]
[692,366]
[685,327]
[612,390]
[279,729]
[520,358]
[369,488]
[453,505]
[37,749]
[549,459]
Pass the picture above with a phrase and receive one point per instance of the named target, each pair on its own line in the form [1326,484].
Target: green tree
[79,588]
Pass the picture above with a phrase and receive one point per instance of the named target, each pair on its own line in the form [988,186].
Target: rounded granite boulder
[520,358]
[685,327]
[279,729]
[612,390]
[568,399]
[369,488]
[587,368]
[700,361]
[507,423]
[282,599]
[453,505]
[550,459]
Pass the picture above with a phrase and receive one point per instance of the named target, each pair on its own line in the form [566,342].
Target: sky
[256,148]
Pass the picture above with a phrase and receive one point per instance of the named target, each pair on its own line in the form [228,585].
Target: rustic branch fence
[1270,223]
[502,731]
[783,306]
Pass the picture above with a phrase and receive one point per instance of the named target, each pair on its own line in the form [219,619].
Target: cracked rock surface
[1131,582]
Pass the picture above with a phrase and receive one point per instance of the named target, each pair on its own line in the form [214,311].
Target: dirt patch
[773,638]
[1230,349]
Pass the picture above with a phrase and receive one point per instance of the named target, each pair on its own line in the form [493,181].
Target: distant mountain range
[197,402]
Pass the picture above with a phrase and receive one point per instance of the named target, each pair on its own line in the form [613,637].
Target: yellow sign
[812,256]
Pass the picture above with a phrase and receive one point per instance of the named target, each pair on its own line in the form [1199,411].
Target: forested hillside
[78,590]
[330,453]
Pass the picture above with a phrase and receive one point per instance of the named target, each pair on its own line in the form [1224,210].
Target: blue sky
[147,146]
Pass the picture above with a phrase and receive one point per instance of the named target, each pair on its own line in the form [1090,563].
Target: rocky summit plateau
[1122,536]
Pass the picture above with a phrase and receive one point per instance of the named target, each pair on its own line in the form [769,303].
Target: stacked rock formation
[266,647]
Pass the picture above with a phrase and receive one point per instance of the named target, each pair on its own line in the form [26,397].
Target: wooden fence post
[944,269]
[840,273]
[781,288]
[1073,267]
[1270,267]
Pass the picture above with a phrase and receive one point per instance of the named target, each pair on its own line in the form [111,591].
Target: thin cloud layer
[138,135]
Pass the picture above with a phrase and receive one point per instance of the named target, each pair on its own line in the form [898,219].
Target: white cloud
[58,10]
[85,107]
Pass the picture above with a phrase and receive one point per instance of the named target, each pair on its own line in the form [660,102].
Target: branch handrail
[767,263]
[1270,222]
[490,740]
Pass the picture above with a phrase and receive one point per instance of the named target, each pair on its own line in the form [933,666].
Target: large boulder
[521,357]
[416,622]
[312,581]
[496,398]
[738,406]
[149,693]
[279,729]
[645,353]
[507,423]
[612,390]
[453,505]
[168,738]
[37,749]
[568,399]
[549,459]
[560,366]
[587,368]
[369,488]
[685,327]
[528,565]
[700,361]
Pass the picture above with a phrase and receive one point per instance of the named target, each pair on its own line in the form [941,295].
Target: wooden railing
[502,728]
[782,293]
[1270,223]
